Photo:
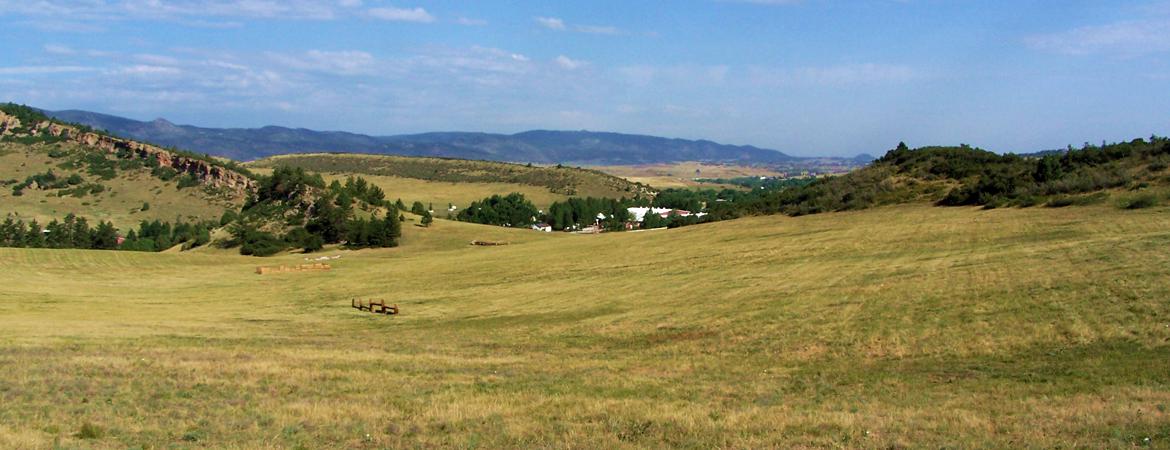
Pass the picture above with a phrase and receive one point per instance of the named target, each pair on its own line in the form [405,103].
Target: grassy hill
[441,181]
[890,327]
[50,169]
[118,199]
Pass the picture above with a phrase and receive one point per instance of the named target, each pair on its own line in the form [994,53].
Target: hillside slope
[462,180]
[538,146]
[907,326]
[50,169]
[1138,172]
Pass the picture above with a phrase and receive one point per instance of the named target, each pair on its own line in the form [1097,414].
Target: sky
[806,77]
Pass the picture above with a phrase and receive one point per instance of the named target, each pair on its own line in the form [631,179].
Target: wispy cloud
[419,15]
[558,24]
[568,63]
[62,15]
[41,70]
[348,62]
[551,23]
[839,75]
[1129,38]
[467,21]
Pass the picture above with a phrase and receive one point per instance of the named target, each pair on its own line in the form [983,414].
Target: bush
[1060,202]
[90,431]
[1140,201]
[164,173]
[188,180]
[261,243]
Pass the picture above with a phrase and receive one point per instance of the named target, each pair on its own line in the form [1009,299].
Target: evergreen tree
[427,219]
[417,208]
[34,237]
[105,236]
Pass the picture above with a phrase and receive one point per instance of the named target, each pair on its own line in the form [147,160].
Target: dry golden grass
[440,194]
[683,175]
[906,326]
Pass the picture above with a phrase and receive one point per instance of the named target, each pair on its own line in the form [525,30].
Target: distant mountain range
[540,146]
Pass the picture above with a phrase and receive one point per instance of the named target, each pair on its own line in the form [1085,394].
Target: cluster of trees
[76,232]
[72,232]
[312,213]
[515,210]
[512,210]
[72,185]
[156,236]
[583,212]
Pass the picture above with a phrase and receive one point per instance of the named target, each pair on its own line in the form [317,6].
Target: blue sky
[807,77]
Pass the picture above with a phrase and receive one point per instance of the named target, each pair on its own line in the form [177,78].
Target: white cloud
[348,62]
[59,49]
[402,14]
[466,21]
[554,23]
[568,63]
[1129,38]
[40,70]
[598,29]
[551,23]
[144,70]
[840,75]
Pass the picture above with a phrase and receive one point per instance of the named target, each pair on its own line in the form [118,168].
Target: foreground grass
[907,326]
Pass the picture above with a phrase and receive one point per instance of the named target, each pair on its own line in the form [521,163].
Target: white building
[639,214]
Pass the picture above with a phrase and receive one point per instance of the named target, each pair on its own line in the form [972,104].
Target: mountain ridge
[533,146]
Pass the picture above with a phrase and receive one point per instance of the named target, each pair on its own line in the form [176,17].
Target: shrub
[1140,201]
[90,431]
[164,173]
[1060,202]
[187,180]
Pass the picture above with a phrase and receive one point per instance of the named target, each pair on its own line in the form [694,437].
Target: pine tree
[105,236]
[35,236]
[427,219]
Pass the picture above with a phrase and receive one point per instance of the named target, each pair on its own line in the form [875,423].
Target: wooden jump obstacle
[264,270]
[488,243]
[374,306]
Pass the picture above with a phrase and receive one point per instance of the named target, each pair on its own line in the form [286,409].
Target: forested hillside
[1134,171]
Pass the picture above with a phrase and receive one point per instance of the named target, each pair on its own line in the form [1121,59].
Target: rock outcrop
[208,173]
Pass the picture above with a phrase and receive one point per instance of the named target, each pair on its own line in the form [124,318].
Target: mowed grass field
[909,326]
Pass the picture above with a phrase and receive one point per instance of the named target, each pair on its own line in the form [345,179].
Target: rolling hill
[538,146]
[444,180]
[49,169]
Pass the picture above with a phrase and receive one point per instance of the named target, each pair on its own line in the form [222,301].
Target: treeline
[75,232]
[293,208]
[583,212]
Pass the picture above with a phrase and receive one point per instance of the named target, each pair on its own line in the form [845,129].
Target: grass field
[441,181]
[908,326]
[683,175]
[440,193]
[121,202]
